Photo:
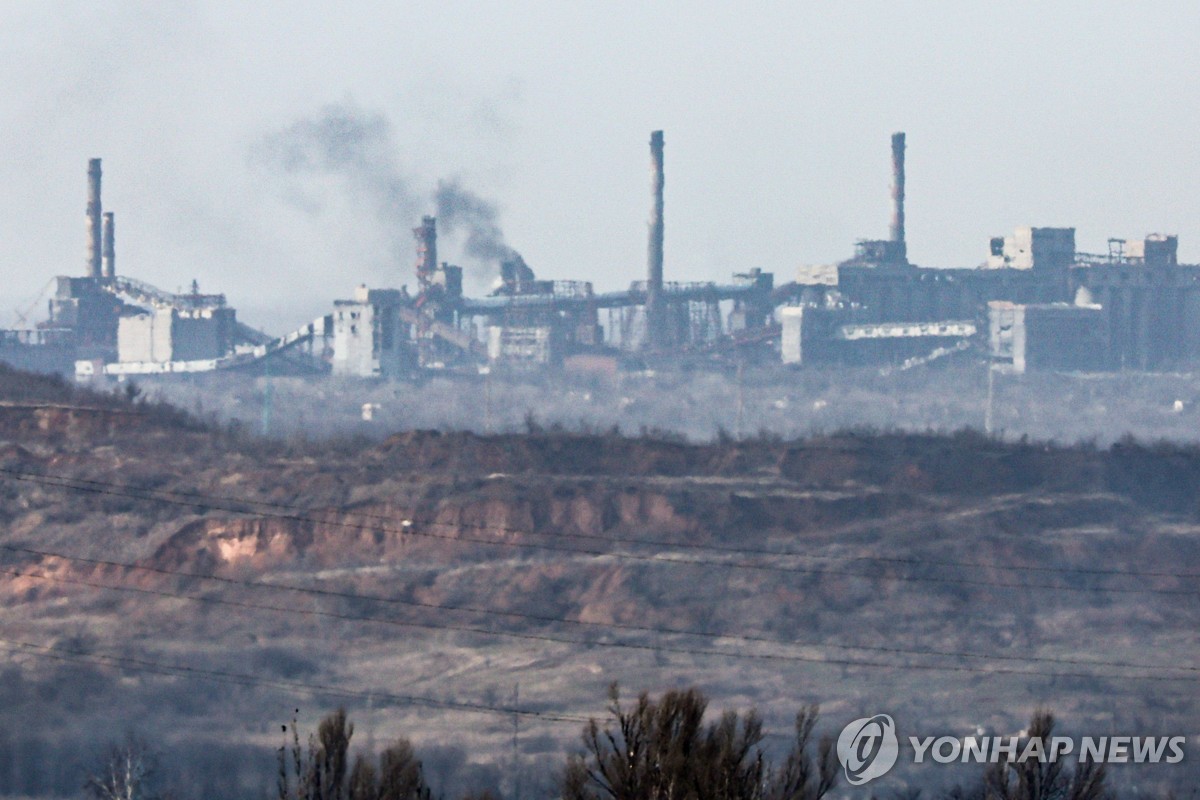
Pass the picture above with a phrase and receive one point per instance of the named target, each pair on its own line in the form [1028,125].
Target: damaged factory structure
[105,324]
[1034,303]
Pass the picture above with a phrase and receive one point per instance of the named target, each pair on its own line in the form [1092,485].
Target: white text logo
[867,748]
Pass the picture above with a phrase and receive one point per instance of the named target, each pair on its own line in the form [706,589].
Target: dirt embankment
[955,552]
[203,502]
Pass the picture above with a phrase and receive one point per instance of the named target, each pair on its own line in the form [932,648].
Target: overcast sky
[777,118]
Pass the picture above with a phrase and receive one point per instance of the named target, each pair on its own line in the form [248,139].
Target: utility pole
[487,400]
[987,411]
[516,751]
[741,400]
[266,409]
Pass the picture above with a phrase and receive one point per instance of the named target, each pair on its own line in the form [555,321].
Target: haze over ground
[776,120]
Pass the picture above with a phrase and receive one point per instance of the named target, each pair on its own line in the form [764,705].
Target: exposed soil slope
[954,581]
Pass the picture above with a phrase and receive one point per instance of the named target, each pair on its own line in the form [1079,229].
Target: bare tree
[126,775]
[804,777]
[1037,779]
[645,756]
[364,780]
[323,772]
[662,750]
[401,776]
[333,746]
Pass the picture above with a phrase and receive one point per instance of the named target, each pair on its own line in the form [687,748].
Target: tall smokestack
[110,245]
[898,189]
[426,235]
[655,328]
[93,218]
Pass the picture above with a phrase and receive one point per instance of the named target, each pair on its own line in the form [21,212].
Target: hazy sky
[776,115]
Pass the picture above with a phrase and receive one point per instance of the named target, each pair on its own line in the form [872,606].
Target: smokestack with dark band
[654,278]
[93,218]
[898,188]
[110,245]
[426,235]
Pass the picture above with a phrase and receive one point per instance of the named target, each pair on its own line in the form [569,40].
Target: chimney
[426,235]
[898,192]
[655,328]
[110,245]
[93,218]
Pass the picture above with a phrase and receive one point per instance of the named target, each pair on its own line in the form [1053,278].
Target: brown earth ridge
[956,581]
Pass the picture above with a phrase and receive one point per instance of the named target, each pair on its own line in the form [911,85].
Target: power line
[655,648]
[359,596]
[153,495]
[242,679]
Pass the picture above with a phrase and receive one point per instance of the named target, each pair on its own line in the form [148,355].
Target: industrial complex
[1033,303]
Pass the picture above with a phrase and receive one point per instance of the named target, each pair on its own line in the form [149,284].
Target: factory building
[174,334]
[84,307]
[1056,336]
[39,350]
[1152,302]
[536,346]
[791,335]
[1033,302]
[1042,304]
[105,323]
[369,339]
[815,335]
[1046,250]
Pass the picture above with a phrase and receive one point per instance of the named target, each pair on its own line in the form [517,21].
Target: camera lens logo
[868,748]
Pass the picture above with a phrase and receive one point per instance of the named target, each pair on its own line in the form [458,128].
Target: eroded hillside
[954,582]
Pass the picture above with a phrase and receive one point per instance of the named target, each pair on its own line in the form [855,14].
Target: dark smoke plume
[360,150]
[461,211]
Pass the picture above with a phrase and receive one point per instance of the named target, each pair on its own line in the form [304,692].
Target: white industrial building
[368,335]
[160,335]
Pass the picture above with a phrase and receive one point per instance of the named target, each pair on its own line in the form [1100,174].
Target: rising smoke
[359,151]
[464,213]
[356,149]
